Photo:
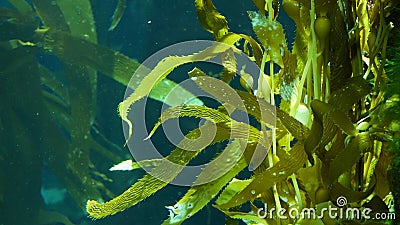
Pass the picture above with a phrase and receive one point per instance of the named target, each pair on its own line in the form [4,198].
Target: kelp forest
[323,109]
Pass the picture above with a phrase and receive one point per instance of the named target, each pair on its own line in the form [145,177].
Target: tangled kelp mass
[330,139]
[333,91]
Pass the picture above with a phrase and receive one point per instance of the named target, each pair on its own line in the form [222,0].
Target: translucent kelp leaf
[321,130]
[113,64]
[232,38]
[271,35]
[350,155]
[345,97]
[163,68]
[21,5]
[338,190]
[149,184]
[295,127]
[234,187]
[289,163]
[204,112]
[118,13]
[200,195]
[339,117]
[50,14]
[210,19]
[237,99]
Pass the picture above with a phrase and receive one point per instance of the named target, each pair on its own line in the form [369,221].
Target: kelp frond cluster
[333,130]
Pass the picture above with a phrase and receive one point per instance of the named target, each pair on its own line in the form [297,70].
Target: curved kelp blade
[118,13]
[232,38]
[289,163]
[113,64]
[200,195]
[260,109]
[162,69]
[175,162]
[21,5]
[204,112]
[346,158]
[211,19]
[82,85]
[150,184]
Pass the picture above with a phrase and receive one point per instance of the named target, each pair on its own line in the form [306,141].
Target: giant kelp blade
[162,69]
[226,94]
[113,64]
[289,163]
[199,196]
[350,155]
[118,13]
[21,5]
[347,95]
[232,38]
[204,112]
[211,19]
[168,169]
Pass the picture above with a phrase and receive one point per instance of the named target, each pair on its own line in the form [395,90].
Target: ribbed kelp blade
[118,13]
[322,130]
[168,169]
[211,19]
[54,85]
[346,96]
[199,196]
[204,112]
[226,94]
[82,84]
[113,64]
[288,164]
[346,158]
[162,69]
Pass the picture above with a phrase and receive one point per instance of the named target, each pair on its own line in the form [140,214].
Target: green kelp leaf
[234,187]
[338,190]
[232,38]
[78,15]
[118,13]
[199,196]
[113,64]
[339,117]
[129,164]
[210,19]
[345,97]
[271,35]
[205,112]
[295,127]
[288,164]
[322,130]
[55,85]
[226,94]
[50,14]
[21,5]
[151,183]
[260,4]
[162,69]
[350,155]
